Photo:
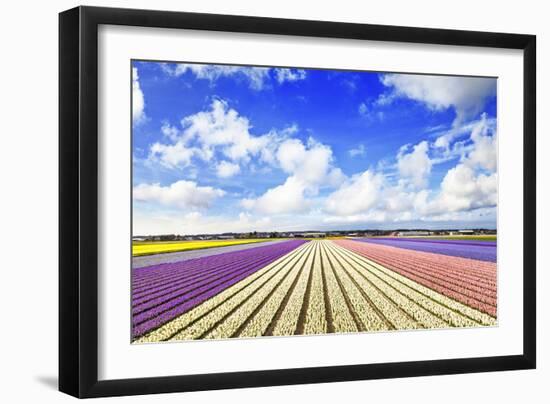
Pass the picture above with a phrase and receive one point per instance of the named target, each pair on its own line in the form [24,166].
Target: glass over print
[282,201]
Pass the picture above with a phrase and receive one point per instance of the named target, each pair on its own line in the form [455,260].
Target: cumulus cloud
[484,153]
[474,143]
[471,185]
[223,127]
[357,195]
[463,190]
[223,138]
[220,128]
[225,169]
[283,199]
[138,100]
[309,167]
[309,163]
[172,155]
[415,166]
[467,95]
[181,194]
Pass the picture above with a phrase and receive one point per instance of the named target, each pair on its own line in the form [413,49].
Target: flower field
[298,287]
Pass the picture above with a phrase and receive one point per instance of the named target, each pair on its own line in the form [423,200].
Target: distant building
[314,235]
[413,233]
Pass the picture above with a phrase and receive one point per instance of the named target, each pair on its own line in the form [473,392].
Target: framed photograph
[251,201]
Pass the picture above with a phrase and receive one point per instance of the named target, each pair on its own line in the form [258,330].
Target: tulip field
[303,287]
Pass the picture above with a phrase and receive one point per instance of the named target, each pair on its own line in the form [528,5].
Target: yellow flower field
[159,247]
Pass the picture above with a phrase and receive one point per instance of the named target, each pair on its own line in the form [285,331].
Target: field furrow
[341,318]
[290,316]
[315,318]
[369,318]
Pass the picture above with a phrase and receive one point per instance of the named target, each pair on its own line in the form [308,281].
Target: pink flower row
[455,277]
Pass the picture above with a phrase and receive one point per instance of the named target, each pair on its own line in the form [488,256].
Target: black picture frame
[78,201]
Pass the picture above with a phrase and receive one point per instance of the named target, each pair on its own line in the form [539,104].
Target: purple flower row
[488,243]
[462,249]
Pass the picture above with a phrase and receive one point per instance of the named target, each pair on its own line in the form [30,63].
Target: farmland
[303,287]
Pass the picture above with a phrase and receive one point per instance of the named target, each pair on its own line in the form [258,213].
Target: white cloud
[138,100]
[171,132]
[463,190]
[474,143]
[223,138]
[172,156]
[468,191]
[472,183]
[181,194]
[220,128]
[484,153]
[466,95]
[223,127]
[283,75]
[385,99]
[196,223]
[415,167]
[225,169]
[310,163]
[257,78]
[363,109]
[356,196]
[369,114]
[309,167]
[358,151]
[283,199]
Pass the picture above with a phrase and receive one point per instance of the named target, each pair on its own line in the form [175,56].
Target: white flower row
[232,323]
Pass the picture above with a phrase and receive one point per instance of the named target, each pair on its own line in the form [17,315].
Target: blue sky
[220,148]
